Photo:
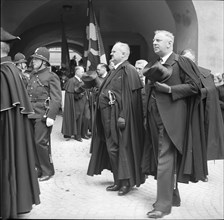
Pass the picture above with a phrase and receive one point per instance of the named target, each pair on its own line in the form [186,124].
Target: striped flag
[94,49]
[65,58]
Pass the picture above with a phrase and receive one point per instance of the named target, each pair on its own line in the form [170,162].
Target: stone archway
[133,21]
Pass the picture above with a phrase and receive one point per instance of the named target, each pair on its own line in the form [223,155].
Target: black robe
[220,90]
[214,126]
[131,143]
[74,104]
[18,178]
[192,164]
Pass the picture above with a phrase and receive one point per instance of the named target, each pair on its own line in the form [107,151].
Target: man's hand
[121,123]
[162,87]
[49,122]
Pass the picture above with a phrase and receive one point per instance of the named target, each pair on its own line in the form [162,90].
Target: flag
[65,59]
[94,49]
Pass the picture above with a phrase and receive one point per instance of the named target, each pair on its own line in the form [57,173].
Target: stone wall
[210,34]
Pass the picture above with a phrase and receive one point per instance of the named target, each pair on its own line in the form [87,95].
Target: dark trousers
[79,126]
[167,191]
[43,155]
[112,148]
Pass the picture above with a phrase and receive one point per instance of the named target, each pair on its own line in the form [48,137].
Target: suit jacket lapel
[172,59]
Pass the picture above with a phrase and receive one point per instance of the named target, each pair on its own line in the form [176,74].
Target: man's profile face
[36,63]
[116,54]
[161,44]
[100,70]
[139,67]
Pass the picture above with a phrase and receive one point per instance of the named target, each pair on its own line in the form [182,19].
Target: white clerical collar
[164,59]
[78,78]
[115,66]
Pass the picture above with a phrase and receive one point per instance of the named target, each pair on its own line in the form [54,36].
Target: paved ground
[71,194]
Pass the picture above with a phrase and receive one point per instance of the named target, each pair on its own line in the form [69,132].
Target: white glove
[49,122]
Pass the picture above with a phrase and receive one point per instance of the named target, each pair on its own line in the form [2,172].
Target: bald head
[189,53]
[120,52]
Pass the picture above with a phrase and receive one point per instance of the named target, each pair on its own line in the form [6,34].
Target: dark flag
[65,59]
[94,49]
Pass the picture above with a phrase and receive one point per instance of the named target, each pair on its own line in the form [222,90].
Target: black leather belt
[37,100]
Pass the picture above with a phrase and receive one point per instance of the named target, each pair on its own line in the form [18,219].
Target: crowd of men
[161,118]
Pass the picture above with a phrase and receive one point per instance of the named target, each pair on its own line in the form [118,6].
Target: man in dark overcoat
[19,187]
[175,147]
[117,141]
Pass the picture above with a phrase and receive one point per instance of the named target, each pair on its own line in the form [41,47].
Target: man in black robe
[75,99]
[117,141]
[219,83]
[19,188]
[214,126]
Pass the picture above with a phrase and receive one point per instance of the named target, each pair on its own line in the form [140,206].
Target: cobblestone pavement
[71,194]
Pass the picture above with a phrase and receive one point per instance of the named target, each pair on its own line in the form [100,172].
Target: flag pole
[94,49]
[65,58]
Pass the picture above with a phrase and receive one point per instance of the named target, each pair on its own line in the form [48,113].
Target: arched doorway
[38,23]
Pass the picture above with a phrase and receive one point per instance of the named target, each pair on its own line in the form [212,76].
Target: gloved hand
[162,87]
[49,122]
[121,123]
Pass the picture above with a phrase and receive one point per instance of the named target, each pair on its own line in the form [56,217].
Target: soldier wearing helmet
[44,91]
[20,62]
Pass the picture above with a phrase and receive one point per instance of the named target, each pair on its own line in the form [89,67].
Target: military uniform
[44,91]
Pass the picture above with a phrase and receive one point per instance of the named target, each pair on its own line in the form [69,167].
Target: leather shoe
[113,188]
[155,214]
[85,137]
[124,190]
[44,178]
[205,179]
[78,139]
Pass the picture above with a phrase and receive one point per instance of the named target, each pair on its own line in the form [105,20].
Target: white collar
[115,66]
[78,78]
[164,59]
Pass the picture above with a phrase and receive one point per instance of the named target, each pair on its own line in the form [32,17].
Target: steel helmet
[42,53]
[19,58]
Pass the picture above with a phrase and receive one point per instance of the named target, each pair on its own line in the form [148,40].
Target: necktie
[161,60]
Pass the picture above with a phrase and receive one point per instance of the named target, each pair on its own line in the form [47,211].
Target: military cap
[19,58]
[42,53]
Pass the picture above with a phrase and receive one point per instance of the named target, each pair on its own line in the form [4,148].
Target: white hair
[166,33]
[141,62]
[124,48]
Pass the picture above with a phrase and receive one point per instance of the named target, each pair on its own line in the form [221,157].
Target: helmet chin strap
[40,67]
[41,64]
